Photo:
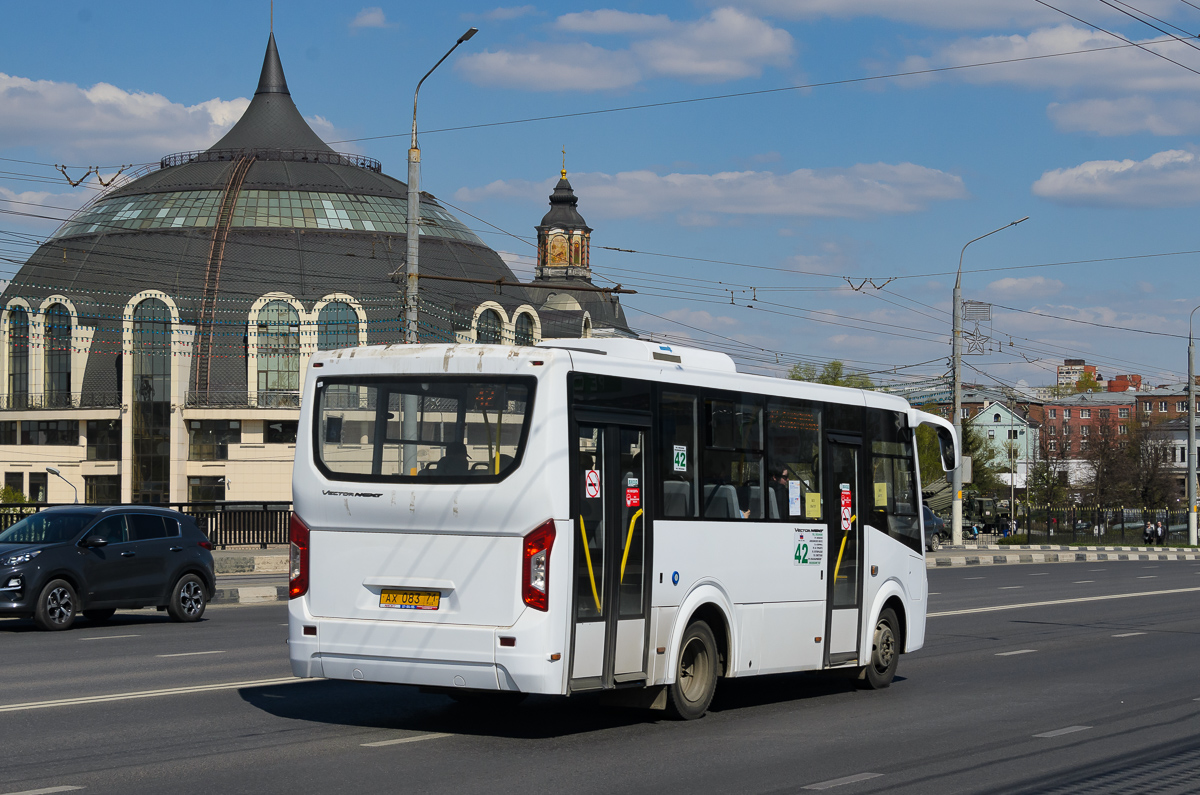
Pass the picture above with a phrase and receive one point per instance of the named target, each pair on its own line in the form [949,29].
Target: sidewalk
[996,554]
[251,576]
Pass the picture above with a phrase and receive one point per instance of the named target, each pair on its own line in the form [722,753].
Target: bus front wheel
[885,653]
[695,673]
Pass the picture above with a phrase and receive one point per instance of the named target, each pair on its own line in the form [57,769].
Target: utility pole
[956,354]
[1191,451]
[408,424]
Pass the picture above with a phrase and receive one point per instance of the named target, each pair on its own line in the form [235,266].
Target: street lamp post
[59,475]
[1191,451]
[408,426]
[956,355]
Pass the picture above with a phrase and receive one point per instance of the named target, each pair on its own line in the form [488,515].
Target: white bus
[590,515]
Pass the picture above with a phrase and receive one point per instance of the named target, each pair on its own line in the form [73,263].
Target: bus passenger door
[844,556]
[611,586]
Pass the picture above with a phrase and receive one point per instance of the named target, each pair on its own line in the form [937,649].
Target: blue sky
[802,189]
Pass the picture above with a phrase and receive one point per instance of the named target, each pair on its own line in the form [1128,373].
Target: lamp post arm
[416,93]
[958,279]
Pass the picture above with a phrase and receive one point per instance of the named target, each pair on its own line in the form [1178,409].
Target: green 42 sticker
[809,547]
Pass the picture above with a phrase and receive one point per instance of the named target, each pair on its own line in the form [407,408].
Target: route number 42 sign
[809,547]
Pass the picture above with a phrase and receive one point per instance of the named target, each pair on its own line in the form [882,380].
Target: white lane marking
[1097,569]
[1061,732]
[974,578]
[189,653]
[110,637]
[1039,574]
[1059,602]
[1081,582]
[169,691]
[837,782]
[44,791]
[1147,576]
[1018,651]
[1128,634]
[400,740]
[1009,587]
[939,593]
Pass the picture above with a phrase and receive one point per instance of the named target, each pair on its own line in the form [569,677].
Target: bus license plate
[410,600]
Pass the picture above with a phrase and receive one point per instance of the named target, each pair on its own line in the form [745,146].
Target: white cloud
[953,14]
[607,20]
[1127,115]
[1030,286]
[725,45]
[861,190]
[1128,70]
[372,17]
[106,123]
[54,207]
[552,67]
[1165,179]
[506,13]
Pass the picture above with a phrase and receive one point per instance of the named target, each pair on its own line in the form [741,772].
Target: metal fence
[225,523]
[1095,526]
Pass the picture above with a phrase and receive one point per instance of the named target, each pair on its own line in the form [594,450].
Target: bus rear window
[372,429]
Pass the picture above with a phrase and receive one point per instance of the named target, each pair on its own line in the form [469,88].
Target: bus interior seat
[677,498]
[772,504]
[455,462]
[721,502]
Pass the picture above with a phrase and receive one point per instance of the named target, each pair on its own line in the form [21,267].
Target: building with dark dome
[152,348]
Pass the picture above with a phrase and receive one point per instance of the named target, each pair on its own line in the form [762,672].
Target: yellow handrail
[628,541]
[838,565]
[587,554]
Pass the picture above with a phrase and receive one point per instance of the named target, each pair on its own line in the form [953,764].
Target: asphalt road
[1082,693]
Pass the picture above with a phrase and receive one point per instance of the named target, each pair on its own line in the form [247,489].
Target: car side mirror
[95,542]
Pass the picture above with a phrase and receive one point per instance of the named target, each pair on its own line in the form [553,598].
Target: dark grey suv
[96,560]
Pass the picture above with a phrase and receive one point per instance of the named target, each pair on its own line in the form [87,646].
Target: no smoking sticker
[591,483]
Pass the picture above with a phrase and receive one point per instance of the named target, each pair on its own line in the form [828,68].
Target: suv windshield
[385,429]
[47,528]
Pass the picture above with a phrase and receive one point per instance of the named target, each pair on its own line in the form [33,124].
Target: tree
[1088,383]
[1108,460]
[1150,482]
[983,460]
[833,373]
[1046,483]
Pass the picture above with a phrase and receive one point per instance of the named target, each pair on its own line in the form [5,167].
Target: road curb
[249,595]
[251,564]
[1052,557]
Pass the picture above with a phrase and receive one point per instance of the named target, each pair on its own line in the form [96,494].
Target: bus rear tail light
[298,536]
[535,568]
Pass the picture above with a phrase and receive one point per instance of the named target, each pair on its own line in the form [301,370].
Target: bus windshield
[387,430]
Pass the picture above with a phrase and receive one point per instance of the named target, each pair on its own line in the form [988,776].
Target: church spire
[564,238]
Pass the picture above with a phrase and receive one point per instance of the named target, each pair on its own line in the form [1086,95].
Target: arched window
[523,329]
[587,328]
[58,356]
[278,355]
[337,327]
[488,328]
[995,418]
[151,402]
[18,358]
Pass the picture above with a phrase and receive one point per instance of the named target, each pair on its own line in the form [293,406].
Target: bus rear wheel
[885,653]
[695,673]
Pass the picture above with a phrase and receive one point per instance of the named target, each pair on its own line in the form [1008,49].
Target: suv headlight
[19,558]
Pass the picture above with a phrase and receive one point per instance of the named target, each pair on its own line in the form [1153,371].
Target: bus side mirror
[946,447]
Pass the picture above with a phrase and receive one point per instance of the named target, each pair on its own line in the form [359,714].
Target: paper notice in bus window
[881,494]
[795,501]
[680,458]
[809,547]
[812,505]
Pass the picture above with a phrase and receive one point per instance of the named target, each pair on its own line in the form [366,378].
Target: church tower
[563,237]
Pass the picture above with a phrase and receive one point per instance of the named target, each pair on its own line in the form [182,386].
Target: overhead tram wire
[1140,46]
[759,92]
[1156,19]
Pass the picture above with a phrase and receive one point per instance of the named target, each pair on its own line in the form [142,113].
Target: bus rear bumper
[429,655]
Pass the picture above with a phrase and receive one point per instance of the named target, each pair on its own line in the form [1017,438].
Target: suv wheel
[56,606]
[188,599]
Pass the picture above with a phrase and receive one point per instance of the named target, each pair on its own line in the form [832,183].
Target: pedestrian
[1149,535]
[1162,536]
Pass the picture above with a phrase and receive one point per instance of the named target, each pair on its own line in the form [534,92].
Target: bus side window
[679,453]
[894,501]
[733,471]
[794,461]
